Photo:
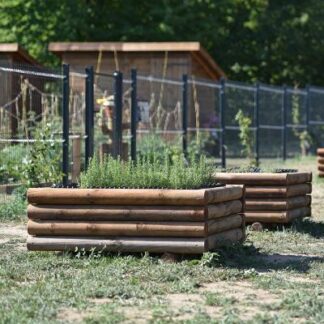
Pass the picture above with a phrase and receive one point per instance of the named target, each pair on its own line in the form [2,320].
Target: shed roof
[18,52]
[195,48]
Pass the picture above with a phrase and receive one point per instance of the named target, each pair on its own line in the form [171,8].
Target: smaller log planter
[320,162]
[135,220]
[273,197]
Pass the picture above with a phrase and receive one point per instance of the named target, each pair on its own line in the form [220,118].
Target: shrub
[114,173]
[11,159]
[15,208]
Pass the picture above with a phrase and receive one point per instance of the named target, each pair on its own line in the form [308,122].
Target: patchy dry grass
[275,277]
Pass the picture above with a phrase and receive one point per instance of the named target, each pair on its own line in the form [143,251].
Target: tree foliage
[270,41]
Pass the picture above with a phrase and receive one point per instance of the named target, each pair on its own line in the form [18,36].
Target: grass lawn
[275,277]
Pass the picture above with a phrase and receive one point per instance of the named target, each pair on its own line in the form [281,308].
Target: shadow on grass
[305,226]
[308,226]
[247,257]
[242,257]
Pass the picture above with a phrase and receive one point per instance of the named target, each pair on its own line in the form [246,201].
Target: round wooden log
[76,228]
[271,179]
[277,204]
[118,244]
[321,174]
[224,224]
[320,167]
[198,197]
[276,217]
[320,160]
[132,213]
[224,209]
[116,213]
[320,152]
[278,192]
[226,238]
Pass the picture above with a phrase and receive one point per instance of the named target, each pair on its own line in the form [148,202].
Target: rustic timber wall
[320,162]
[273,197]
[135,220]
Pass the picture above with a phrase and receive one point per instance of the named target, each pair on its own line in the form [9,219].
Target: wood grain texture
[118,244]
[224,239]
[133,213]
[224,224]
[77,228]
[264,178]
[277,217]
[198,197]
[278,191]
[277,204]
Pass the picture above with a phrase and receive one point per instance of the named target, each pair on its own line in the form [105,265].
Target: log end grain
[225,238]
[320,152]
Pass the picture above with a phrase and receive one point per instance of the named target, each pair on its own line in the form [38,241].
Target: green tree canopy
[270,41]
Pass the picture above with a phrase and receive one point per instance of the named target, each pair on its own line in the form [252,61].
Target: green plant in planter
[114,173]
[42,163]
[246,135]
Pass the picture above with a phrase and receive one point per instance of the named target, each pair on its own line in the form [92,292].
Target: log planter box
[273,198]
[320,162]
[135,220]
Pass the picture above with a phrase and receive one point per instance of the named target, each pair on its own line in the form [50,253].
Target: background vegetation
[272,41]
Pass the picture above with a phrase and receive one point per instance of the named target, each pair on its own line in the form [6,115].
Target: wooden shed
[150,58]
[167,60]
[13,87]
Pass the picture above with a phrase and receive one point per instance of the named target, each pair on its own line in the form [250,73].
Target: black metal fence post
[284,124]
[66,117]
[117,115]
[222,121]
[185,115]
[307,108]
[257,123]
[89,115]
[134,113]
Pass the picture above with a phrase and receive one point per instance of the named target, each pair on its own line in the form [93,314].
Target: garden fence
[200,115]
[63,113]
[30,123]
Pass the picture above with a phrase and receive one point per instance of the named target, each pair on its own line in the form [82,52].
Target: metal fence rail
[104,113]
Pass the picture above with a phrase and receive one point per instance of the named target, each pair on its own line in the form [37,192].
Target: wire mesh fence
[73,115]
[103,114]
[159,119]
[204,125]
[30,125]
[77,132]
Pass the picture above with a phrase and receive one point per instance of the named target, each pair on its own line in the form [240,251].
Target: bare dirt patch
[18,231]
[249,298]
[70,315]
[136,315]
[241,290]
[4,241]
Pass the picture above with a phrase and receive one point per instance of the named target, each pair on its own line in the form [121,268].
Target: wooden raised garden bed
[135,220]
[320,162]
[273,197]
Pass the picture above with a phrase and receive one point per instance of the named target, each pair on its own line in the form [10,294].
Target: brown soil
[70,315]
